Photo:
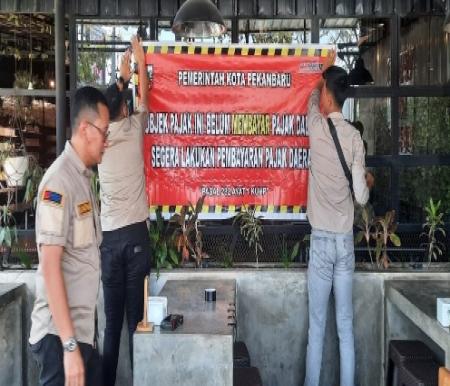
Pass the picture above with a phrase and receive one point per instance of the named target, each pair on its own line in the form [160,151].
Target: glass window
[424,51]
[372,116]
[165,34]
[99,48]
[379,183]
[418,185]
[424,125]
[363,48]
[275,31]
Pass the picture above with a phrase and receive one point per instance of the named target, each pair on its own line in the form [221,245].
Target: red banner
[230,123]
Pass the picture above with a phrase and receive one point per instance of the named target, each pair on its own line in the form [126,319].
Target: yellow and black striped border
[231,209]
[236,51]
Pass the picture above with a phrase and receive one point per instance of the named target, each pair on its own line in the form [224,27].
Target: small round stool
[241,357]
[246,376]
[402,351]
[419,374]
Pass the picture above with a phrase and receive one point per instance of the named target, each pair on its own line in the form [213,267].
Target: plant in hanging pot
[15,166]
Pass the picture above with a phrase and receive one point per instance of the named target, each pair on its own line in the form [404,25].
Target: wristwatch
[70,345]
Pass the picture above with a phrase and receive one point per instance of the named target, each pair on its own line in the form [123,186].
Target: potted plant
[162,245]
[365,222]
[33,177]
[187,235]
[433,226]
[250,228]
[385,227]
[288,256]
[8,231]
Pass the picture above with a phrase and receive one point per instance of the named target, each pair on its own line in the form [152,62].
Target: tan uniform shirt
[330,204]
[122,178]
[67,216]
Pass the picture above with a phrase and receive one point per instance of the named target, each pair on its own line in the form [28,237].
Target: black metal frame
[314,10]
[394,92]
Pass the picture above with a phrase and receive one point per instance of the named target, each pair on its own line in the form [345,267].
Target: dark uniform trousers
[48,353]
[125,255]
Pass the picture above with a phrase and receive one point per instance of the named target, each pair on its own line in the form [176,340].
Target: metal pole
[60,70]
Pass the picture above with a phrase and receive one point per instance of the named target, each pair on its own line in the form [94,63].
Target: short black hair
[115,100]
[86,98]
[337,82]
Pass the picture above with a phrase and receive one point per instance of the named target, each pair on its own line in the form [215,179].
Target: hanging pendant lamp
[198,19]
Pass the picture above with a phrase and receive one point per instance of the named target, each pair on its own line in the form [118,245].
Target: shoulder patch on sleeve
[52,197]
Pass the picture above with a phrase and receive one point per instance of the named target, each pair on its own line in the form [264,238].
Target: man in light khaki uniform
[330,213]
[68,236]
[125,251]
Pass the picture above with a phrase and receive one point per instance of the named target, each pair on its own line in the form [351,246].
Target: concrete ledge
[272,319]
[12,358]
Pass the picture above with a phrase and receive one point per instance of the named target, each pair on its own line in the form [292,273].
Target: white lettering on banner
[237,157]
[218,123]
[234,79]
[240,157]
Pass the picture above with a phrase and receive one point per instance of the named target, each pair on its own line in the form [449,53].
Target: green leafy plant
[226,255]
[384,231]
[433,226]
[25,259]
[162,245]
[250,228]
[23,78]
[288,256]
[8,230]
[365,223]
[95,187]
[33,177]
[187,235]
[88,64]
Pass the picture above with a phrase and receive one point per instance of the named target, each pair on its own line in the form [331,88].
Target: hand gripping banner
[229,122]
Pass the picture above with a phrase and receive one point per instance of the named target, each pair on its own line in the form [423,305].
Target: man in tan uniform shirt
[125,251]
[330,213]
[68,236]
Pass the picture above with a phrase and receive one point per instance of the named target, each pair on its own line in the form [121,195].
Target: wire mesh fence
[224,246]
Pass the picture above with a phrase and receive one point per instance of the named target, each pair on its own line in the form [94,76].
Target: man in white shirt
[330,213]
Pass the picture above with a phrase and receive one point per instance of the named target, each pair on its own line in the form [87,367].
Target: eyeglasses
[104,133]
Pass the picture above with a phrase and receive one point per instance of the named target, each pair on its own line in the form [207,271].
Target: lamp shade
[198,19]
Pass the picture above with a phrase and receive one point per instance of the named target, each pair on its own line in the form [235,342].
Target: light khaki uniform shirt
[67,216]
[330,204]
[122,178]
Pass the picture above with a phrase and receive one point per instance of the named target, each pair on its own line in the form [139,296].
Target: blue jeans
[331,265]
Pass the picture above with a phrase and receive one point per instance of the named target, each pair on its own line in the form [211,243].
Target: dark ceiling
[230,8]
